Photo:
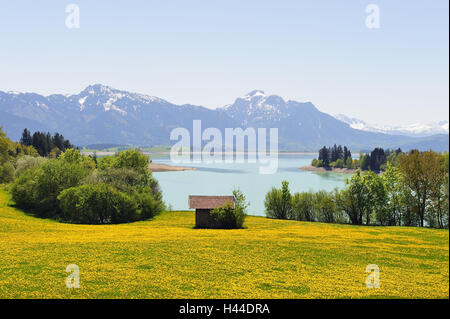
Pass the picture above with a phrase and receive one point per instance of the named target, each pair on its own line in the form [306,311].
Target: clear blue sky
[208,52]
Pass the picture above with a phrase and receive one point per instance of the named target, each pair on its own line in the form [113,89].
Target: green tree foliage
[240,206]
[70,188]
[377,159]
[415,192]
[9,154]
[324,156]
[278,202]
[325,207]
[229,217]
[44,143]
[38,188]
[74,156]
[132,159]
[97,204]
[224,217]
[421,174]
[303,207]
[27,162]
[394,194]
[7,173]
[316,163]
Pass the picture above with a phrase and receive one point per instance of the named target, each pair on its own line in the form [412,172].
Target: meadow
[167,258]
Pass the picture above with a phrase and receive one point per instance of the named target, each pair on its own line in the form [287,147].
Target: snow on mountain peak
[110,98]
[254,94]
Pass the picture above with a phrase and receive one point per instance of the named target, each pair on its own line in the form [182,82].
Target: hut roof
[209,202]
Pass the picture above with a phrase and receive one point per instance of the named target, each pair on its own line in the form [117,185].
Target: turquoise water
[221,179]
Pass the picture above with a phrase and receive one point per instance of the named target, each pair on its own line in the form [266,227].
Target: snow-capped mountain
[256,107]
[101,114]
[414,130]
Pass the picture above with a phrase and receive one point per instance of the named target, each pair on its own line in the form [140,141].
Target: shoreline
[156,167]
[311,168]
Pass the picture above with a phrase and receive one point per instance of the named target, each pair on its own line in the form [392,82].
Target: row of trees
[341,157]
[45,143]
[416,193]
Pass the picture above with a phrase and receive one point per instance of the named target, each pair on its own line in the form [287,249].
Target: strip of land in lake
[155,167]
[330,169]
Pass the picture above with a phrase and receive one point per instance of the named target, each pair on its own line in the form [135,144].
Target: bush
[70,188]
[131,159]
[74,156]
[224,216]
[228,217]
[338,163]
[278,202]
[97,204]
[325,207]
[316,163]
[26,162]
[24,189]
[38,188]
[303,207]
[149,205]
[126,179]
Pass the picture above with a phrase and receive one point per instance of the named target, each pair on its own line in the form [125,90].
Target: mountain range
[415,130]
[100,114]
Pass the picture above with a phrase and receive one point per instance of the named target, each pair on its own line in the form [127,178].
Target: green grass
[168,258]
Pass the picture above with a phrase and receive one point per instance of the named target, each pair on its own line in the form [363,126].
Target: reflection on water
[221,179]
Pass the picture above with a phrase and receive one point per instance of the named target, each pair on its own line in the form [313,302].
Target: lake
[221,179]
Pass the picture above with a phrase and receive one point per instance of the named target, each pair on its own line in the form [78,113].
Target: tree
[45,144]
[38,188]
[303,207]
[364,162]
[325,206]
[7,173]
[97,204]
[278,202]
[347,154]
[240,207]
[324,156]
[26,138]
[392,183]
[4,147]
[345,202]
[421,172]
[376,199]
[132,159]
[377,158]
[359,195]
[439,196]
[334,153]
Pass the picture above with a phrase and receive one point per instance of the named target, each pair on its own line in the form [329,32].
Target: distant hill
[103,115]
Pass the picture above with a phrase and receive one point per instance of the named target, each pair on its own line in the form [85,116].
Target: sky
[209,52]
